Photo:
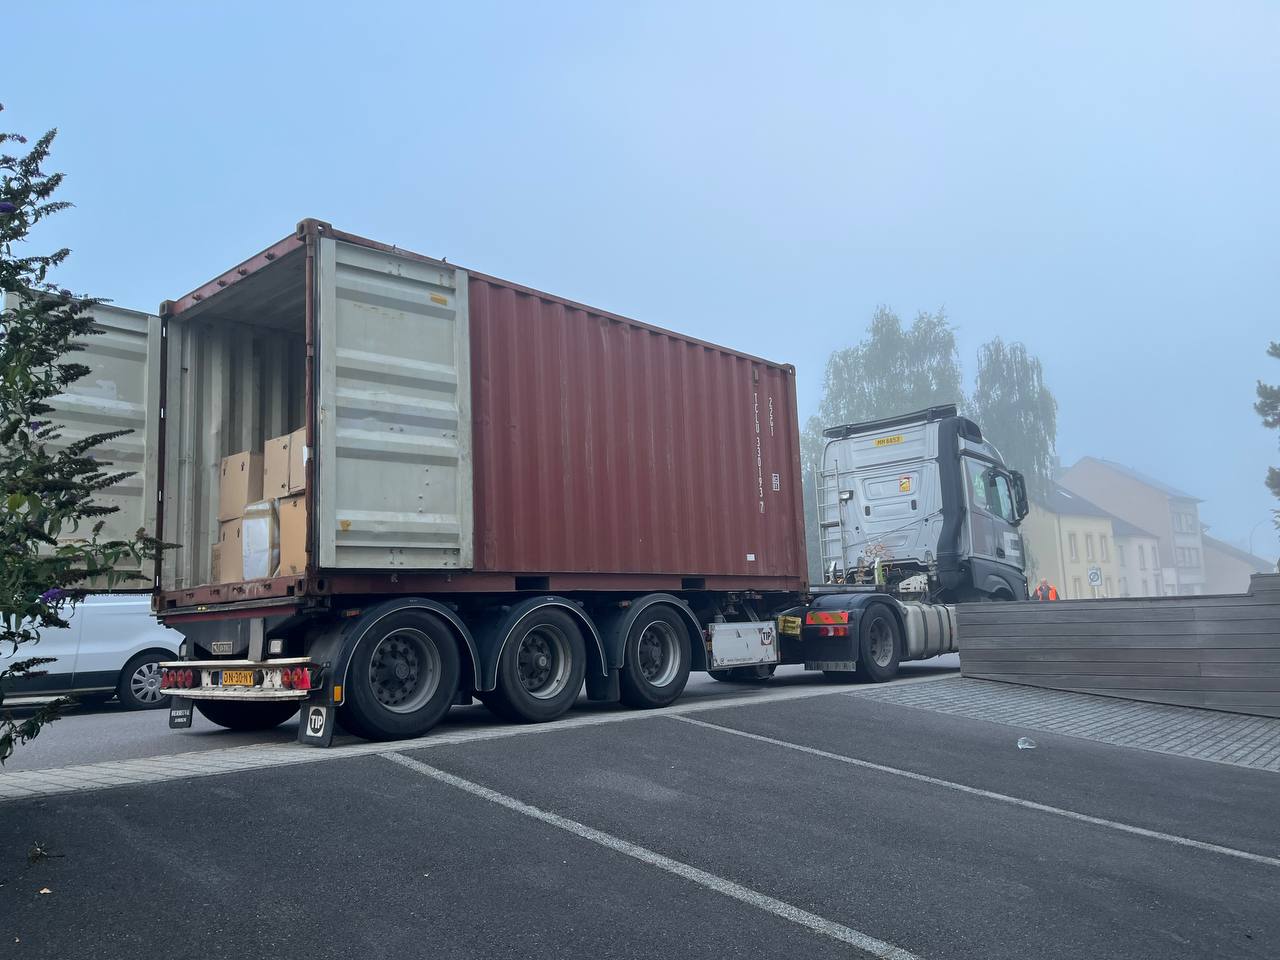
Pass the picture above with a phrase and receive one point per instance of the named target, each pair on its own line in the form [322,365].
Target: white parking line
[992,795]
[26,784]
[753,898]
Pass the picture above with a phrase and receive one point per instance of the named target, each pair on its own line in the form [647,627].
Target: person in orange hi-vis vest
[1045,591]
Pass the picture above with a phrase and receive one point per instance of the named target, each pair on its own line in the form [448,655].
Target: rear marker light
[302,679]
[286,678]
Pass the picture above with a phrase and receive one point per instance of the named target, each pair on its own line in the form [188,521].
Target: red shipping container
[547,445]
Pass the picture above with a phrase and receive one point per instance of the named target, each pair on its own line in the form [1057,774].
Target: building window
[1088,546]
[1124,586]
[1120,552]
[1076,590]
[1184,522]
[1186,556]
[1103,548]
[1110,593]
[1159,585]
[1145,591]
[1155,556]
[1073,546]
[1142,560]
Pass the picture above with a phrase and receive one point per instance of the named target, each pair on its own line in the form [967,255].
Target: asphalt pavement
[109,732]
[823,826]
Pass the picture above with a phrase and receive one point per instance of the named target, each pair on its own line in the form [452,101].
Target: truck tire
[655,659]
[245,715]
[540,669]
[879,643]
[402,678]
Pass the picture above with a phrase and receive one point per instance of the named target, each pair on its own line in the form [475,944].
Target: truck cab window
[1002,504]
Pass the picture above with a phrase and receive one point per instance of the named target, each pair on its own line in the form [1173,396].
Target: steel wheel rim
[145,683]
[881,641]
[404,670]
[658,653]
[543,662]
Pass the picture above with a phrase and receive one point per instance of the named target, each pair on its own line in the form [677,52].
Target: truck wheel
[540,670]
[879,643]
[402,678]
[245,715]
[655,659]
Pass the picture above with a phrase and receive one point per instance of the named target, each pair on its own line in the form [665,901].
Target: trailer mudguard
[492,634]
[333,645]
[616,623]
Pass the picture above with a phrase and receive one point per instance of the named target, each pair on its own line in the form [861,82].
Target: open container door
[124,371]
[392,478]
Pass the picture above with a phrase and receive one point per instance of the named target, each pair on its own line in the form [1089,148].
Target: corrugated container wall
[124,373]
[602,445]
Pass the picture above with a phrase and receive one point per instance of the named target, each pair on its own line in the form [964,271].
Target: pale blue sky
[1095,179]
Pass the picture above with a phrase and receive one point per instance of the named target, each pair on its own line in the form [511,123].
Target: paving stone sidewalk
[1184,731]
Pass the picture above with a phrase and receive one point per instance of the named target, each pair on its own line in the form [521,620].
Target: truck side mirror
[1020,496]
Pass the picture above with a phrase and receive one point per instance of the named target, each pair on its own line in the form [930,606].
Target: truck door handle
[999,551]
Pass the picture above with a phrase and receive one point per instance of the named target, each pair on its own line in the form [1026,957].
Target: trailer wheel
[879,643]
[540,670]
[655,659]
[245,715]
[402,678]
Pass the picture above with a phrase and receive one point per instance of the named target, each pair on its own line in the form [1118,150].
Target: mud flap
[179,713]
[315,724]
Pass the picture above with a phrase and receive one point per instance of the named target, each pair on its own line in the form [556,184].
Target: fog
[1096,181]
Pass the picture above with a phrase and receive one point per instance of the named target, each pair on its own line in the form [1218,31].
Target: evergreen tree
[51,539]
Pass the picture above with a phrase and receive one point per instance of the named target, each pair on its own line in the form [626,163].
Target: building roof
[1063,501]
[1259,565]
[1144,479]
[1123,528]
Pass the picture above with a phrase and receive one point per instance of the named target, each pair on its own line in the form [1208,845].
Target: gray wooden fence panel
[1219,652]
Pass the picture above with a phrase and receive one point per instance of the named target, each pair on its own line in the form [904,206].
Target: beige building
[1138,570]
[1170,515]
[1068,537]
[1228,569]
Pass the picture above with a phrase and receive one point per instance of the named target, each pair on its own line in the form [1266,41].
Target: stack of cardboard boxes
[262,512]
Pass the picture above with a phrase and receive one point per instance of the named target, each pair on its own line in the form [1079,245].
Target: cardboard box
[275,470]
[293,536]
[285,469]
[239,484]
[260,549]
[230,551]
[298,461]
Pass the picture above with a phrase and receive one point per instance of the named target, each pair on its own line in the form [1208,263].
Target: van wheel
[245,715]
[402,678]
[139,686]
[879,643]
[540,669]
[655,659]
